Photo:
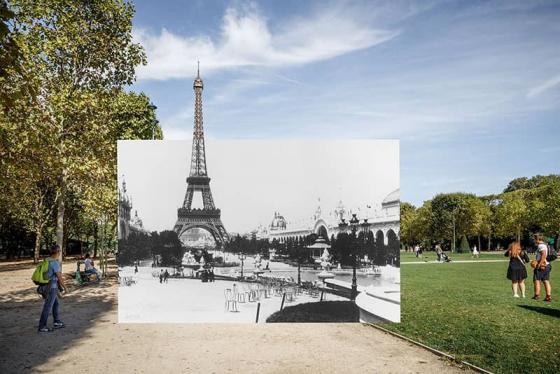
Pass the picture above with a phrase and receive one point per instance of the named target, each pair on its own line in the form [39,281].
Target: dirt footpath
[93,342]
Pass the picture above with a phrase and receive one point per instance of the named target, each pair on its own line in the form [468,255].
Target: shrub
[464,247]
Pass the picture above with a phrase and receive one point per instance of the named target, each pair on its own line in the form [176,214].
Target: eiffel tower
[207,217]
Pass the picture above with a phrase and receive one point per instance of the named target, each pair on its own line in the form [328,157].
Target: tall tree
[408,215]
[532,182]
[79,51]
[544,209]
[482,219]
[512,214]
[452,216]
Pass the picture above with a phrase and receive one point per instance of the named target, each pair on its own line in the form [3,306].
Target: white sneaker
[516,295]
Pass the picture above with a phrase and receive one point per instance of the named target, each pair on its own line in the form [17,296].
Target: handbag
[551,254]
[43,290]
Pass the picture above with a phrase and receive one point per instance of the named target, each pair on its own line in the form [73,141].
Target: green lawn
[431,256]
[466,309]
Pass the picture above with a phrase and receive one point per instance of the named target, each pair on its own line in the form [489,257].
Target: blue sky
[471,88]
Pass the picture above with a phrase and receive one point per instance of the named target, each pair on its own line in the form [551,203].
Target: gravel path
[93,342]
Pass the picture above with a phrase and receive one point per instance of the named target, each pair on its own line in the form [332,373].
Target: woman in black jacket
[517,272]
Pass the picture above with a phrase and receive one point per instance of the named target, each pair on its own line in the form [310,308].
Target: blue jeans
[92,271]
[51,302]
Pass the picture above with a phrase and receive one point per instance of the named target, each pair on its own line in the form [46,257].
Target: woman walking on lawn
[516,271]
[542,270]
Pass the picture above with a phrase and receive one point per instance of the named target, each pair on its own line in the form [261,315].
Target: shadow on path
[24,349]
[13,265]
[543,310]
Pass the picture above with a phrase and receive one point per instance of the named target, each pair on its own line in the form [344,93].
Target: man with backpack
[54,275]
[542,269]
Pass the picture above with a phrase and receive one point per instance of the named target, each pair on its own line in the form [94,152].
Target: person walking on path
[475,252]
[516,271]
[439,253]
[161,276]
[165,276]
[54,274]
[542,270]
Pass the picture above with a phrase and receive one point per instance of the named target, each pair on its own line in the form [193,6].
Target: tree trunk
[479,244]
[95,241]
[60,223]
[38,237]
[104,250]
[65,244]
[489,242]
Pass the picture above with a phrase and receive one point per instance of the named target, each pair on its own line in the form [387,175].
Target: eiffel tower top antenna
[198,155]
[198,69]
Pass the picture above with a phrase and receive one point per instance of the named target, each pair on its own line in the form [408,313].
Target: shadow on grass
[24,349]
[539,309]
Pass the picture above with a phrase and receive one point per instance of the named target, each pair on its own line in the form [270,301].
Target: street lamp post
[152,107]
[365,231]
[354,223]
[454,234]
[242,257]
[154,128]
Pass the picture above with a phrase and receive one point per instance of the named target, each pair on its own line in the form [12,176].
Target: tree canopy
[65,67]
[527,205]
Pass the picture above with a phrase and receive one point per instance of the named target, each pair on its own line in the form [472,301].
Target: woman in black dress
[516,270]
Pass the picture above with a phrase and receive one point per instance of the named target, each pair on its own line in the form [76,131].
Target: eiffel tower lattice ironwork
[207,217]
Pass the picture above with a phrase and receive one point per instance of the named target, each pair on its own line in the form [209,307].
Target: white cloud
[177,133]
[247,40]
[545,86]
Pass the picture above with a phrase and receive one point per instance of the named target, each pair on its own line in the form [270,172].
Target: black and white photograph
[233,186]
[258,230]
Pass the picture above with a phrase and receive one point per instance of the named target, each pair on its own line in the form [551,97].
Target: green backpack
[39,276]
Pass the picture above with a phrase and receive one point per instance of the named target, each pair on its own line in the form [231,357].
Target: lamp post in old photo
[343,226]
[354,224]
[242,257]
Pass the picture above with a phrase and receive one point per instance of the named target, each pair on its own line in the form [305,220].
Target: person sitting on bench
[89,269]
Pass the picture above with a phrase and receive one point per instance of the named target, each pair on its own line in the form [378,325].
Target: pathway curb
[433,350]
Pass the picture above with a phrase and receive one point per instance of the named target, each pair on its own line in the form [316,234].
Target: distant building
[383,219]
[127,224]
[278,222]
[391,204]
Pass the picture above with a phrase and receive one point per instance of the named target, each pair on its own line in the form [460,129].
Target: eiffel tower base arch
[202,219]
